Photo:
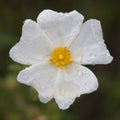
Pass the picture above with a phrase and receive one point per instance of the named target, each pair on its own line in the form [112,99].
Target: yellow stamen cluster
[61,57]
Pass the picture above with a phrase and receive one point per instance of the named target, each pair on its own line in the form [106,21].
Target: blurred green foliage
[20,102]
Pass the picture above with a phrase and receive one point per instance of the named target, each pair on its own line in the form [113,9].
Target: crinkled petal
[61,28]
[74,81]
[41,77]
[33,45]
[89,47]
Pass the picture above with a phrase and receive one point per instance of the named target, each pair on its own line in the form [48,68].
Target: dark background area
[20,102]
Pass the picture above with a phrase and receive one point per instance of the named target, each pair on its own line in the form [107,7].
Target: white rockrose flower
[56,47]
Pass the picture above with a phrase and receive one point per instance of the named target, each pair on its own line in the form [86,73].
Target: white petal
[33,45]
[61,28]
[82,77]
[74,81]
[89,47]
[42,77]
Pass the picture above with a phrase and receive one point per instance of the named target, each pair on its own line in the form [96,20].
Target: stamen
[61,57]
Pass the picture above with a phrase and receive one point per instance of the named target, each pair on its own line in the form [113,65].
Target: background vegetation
[20,102]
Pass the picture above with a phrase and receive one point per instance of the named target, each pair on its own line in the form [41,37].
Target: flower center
[61,56]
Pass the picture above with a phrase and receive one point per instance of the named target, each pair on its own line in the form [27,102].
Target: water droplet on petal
[92,56]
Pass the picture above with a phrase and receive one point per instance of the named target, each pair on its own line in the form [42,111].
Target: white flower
[56,47]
